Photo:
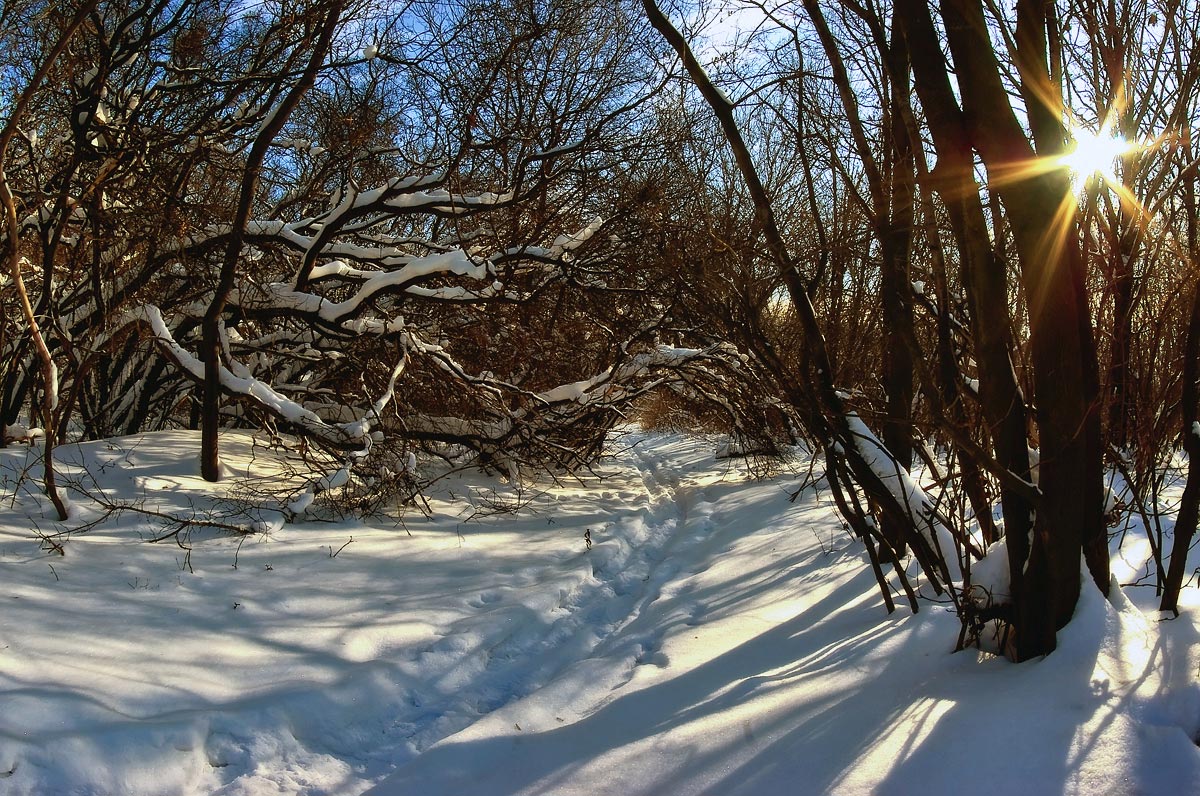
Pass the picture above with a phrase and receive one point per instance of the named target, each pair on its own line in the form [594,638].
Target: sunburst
[1095,153]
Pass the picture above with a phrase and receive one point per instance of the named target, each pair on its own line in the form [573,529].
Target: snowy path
[334,670]
[528,628]
[715,639]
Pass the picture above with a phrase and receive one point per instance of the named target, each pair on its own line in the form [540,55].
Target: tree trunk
[13,258]
[891,190]
[1189,504]
[896,279]
[984,274]
[1041,213]
[834,423]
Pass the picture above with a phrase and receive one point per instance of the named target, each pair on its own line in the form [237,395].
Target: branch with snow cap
[920,508]
[565,425]
[403,275]
[384,269]
[614,383]
[357,434]
[353,211]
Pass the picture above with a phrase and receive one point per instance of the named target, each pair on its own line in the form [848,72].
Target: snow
[20,433]
[717,638]
[301,503]
[990,575]
[575,391]
[338,479]
[454,262]
[569,242]
[904,488]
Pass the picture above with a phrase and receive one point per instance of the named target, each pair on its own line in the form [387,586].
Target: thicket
[492,230]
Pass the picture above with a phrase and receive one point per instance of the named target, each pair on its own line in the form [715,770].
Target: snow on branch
[313,235]
[614,383]
[403,274]
[373,283]
[920,508]
[354,434]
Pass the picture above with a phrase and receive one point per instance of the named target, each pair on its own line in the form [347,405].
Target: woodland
[486,233]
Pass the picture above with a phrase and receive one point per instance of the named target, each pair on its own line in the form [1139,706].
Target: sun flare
[1095,153]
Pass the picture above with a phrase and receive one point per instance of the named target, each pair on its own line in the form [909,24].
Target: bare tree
[993,94]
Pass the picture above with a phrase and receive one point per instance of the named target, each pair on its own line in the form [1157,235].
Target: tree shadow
[833,702]
[729,729]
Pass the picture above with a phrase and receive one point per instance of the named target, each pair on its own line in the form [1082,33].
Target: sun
[1095,153]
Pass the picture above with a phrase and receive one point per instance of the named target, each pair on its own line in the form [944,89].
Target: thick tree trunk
[984,273]
[1189,504]
[1061,276]
[1041,213]
[896,279]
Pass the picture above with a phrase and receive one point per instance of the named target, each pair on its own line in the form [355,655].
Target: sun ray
[1091,156]
[1095,154]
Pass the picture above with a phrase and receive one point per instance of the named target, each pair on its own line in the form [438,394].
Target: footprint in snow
[652,655]
[486,598]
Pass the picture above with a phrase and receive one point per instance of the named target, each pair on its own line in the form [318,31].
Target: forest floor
[716,637]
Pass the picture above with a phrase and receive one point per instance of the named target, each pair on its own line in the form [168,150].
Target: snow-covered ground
[716,638]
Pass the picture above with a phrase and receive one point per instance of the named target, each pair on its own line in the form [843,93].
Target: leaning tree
[960,126]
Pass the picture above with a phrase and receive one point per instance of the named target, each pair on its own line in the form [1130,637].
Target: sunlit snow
[716,638]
